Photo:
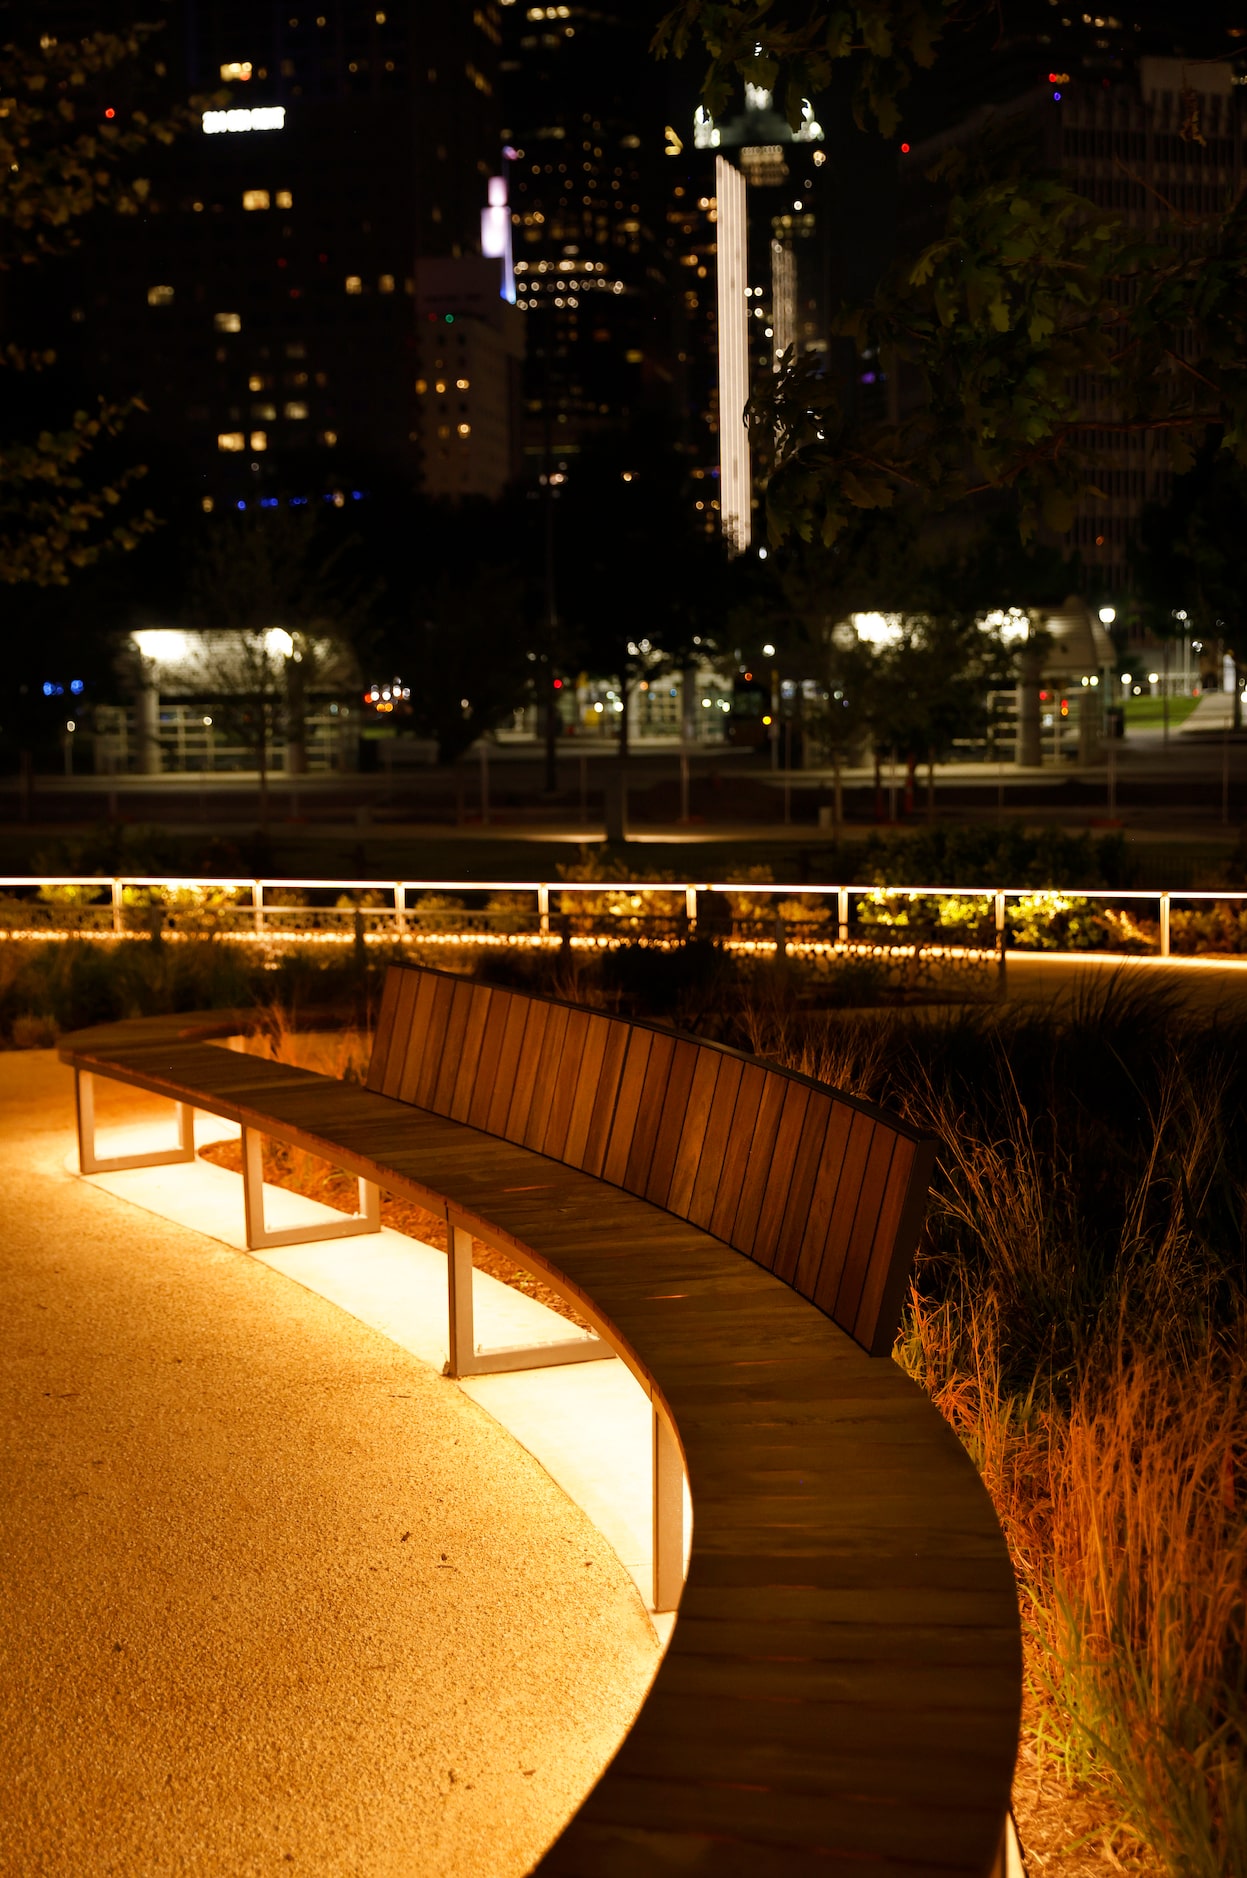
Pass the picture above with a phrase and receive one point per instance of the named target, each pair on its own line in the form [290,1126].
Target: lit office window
[267,412]
[284,199]
[259,440]
[159,296]
[295,411]
[354,284]
[465,430]
[256,199]
[329,438]
[237,72]
[231,440]
[385,284]
[227,322]
[461,384]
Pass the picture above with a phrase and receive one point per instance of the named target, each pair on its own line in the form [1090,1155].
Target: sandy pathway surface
[274,1596]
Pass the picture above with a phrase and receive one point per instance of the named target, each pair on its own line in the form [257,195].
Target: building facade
[1143,114]
[584,125]
[265,307]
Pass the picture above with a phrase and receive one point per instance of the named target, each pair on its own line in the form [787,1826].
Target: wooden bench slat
[584,1090]
[654,1087]
[637,1046]
[545,1081]
[692,1132]
[737,1150]
[450,1053]
[432,1044]
[870,1200]
[460,1104]
[525,1074]
[488,1064]
[671,1121]
[385,1029]
[896,1239]
[761,1164]
[392,1073]
[823,1200]
[553,1139]
[714,1141]
[843,1213]
[807,1168]
[781,1173]
[508,1061]
[411,1065]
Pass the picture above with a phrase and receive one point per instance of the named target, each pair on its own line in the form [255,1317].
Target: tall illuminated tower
[735,483]
[771,261]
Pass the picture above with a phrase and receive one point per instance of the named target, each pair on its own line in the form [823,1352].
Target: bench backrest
[824,1190]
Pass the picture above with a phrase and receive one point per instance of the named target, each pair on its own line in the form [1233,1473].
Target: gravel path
[273,1595]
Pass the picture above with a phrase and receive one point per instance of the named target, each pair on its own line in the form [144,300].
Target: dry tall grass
[1079,1317]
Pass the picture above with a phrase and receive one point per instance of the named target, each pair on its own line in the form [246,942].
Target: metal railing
[790,917]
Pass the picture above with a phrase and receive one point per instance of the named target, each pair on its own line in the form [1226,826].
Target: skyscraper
[265,307]
[584,118]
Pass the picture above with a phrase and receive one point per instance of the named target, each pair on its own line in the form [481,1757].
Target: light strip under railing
[269,921]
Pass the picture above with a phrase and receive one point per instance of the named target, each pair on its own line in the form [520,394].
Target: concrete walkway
[273,1595]
[1213,712]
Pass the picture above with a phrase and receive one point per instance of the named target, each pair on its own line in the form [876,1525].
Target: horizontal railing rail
[789,916]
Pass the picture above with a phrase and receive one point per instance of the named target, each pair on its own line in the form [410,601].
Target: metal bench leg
[259,1238]
[466,1359]
[668,1515]
[459,1274]
[89,1162]
[1009,1860]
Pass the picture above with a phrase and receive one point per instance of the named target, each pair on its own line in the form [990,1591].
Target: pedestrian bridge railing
[757,916]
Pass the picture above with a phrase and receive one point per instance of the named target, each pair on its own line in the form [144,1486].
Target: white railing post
[1001,930]
[257,907]
[1164,925]
[400,909]
[118,907]
[842,914]
[690,906]
[668,1515]
[543,907]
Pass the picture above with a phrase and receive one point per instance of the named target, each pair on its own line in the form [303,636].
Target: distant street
[1192,783]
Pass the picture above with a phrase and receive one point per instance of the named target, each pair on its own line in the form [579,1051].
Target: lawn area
[1148,713]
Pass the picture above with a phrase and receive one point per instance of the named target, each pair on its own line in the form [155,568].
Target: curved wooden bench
[843,1682]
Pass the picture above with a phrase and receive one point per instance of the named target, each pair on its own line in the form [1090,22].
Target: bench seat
[842,1688]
